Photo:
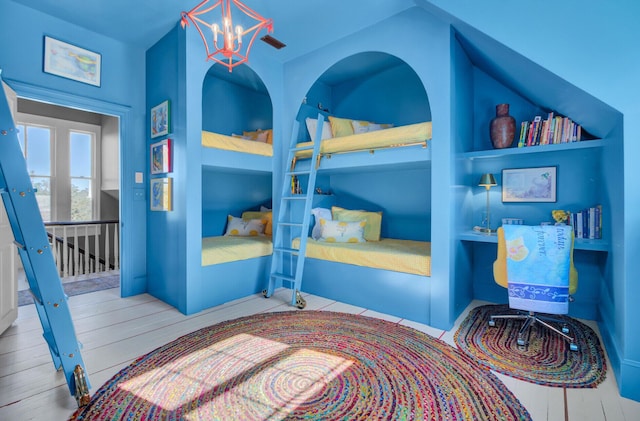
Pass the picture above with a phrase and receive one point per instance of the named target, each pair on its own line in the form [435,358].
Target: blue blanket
[538,261]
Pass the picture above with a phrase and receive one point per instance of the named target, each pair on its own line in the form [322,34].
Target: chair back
[535,263]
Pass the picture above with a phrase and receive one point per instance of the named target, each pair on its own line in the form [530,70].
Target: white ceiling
[303,25]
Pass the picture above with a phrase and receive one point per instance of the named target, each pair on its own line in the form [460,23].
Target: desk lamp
[487,181]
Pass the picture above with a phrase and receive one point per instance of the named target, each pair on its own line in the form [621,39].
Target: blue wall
[395,96]
[22,32]
[221,101]
[612,62]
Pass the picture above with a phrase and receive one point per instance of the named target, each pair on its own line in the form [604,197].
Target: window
[61,161]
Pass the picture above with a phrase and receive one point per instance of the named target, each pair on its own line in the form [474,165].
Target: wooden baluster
[106,247]
[65,252]
[116,247]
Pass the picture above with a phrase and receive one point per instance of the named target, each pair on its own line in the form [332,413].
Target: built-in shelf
[495,153]
[580,243]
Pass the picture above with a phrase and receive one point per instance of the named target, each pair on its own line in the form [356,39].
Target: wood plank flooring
[114,331]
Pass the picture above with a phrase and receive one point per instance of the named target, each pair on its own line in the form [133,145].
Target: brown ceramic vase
[502,128]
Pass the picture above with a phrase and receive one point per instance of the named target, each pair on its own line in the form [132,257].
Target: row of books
[587,223]
[555,129]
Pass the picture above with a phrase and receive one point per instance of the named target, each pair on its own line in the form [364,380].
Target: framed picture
[161,157]
[529,184]
[72,62]
[160,119]
[161,192]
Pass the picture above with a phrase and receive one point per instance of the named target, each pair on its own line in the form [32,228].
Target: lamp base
[482,230]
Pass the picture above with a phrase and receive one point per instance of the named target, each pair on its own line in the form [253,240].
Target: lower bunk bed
[234,267]
[391,275]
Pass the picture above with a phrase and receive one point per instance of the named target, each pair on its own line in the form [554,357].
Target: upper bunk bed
[376,113]
[237,136]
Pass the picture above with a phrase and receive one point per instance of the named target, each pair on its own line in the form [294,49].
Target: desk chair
[535,264]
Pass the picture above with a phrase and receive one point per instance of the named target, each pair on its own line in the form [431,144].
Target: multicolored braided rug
[546,360]
[310,365]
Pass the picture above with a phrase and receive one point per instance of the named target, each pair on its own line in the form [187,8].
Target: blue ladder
[287,263]
[29,235]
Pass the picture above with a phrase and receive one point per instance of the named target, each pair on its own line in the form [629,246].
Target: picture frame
[161,119]
[161,157]
[161,194]
[538,184]
[72,62]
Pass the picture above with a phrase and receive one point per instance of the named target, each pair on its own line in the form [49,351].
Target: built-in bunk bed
[236,184]
[380,176]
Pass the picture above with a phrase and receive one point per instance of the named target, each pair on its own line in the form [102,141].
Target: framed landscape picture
[529,184]
[161,157]
[71,62]
[160,119]
[161,192]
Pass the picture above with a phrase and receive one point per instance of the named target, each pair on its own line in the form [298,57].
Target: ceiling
[303,25]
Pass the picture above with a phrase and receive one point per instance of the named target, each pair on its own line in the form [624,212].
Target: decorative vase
[502,128]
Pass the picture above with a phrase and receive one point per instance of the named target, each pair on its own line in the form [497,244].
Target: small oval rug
[547,359]
[311,365]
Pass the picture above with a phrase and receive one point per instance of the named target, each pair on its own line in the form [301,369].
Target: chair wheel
[573,346]
[565,329]
[492,323]
[300,302]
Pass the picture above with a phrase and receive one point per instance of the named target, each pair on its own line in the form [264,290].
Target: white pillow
[264,208]
[342,232]
[319,213]
[312,125]
[244,228]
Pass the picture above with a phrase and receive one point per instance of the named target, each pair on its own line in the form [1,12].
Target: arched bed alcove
[377,95]
[237,155]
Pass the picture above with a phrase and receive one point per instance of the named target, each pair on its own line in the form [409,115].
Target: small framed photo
[529,184]
[160,119]
[161,161]
[161,192]
[71,62]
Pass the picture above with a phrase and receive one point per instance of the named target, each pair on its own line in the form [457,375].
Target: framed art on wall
[529,184]
[161,192]
[71,62]
[161,161]
[160,119]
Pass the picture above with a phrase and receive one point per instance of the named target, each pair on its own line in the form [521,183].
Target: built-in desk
[579,244]
[590,258]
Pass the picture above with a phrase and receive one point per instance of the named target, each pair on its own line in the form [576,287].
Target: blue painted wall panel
[221,101]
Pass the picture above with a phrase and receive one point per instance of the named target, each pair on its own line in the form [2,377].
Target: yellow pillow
[265,217]
[373,220]
[340,126]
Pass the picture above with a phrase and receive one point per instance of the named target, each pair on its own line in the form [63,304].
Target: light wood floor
[114,331]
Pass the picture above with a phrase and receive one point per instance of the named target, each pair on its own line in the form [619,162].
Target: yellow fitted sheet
[395,136]
[391,254]
[221,141]
[225,249]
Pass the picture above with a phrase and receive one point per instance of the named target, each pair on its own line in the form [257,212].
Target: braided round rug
[546,360]
[311,365]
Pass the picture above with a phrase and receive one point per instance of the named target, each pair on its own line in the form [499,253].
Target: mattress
[391,254]
[230,143]
[396,136]
[223,249]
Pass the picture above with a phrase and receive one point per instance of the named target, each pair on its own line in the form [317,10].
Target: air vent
[273,42]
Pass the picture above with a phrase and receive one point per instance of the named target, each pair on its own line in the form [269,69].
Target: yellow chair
[555,277]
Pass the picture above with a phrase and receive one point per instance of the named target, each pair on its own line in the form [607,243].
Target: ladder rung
[301,148]
[3,190]
[301,172]
[19,245]
[298,197]
[283,277]
[48,337]
[290,224]
[286,250]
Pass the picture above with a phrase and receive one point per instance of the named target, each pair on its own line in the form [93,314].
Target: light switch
[139,178]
